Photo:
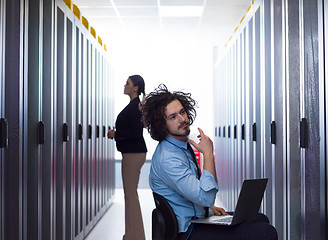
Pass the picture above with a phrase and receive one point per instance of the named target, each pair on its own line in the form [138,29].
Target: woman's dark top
[129,129]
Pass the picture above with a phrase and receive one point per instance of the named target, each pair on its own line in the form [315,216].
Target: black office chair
[164,221]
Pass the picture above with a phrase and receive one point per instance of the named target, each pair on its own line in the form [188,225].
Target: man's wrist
[208,156]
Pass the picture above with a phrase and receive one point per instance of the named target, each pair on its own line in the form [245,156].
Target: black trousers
[260,229]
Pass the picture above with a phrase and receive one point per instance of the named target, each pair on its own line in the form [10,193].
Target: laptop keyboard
[224,220]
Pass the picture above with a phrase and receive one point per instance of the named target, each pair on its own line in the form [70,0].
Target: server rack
[249,99]
[46,120]
[283,113]
[293,81]
[56,175]
[310,151]
[12,104]
[3,121]
[278,115]
[323,68]
[268,130]
[78,154]
[257,138]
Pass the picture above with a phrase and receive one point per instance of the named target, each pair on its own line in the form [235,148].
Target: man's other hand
[218,211]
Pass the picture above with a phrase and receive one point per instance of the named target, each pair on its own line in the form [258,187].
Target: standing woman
[130,142]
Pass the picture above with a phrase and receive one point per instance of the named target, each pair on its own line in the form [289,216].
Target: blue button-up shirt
[173,174]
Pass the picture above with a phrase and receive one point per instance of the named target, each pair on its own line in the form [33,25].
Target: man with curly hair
[175,173]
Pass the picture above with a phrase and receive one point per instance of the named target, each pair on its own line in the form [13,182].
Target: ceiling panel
[138,11]
[145,3]
[98,12]
[115,17]
[93,3]
[180,22]
[181,2]
[109,30]
[184,26]
[103,21]
[228,3]
[141,22]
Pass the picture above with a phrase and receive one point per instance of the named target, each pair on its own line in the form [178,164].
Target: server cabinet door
[3,124]
[78,181]
[293,78]
[101,136]
[106,140]
[58,123]
[227,157]
[87,122]
[47,116]
[323,51]
[249,99]
[310,154]
[90,143]
[93,137]
[98,136]
[257,88]
[238,121]
[85,137]
[278,107]
[226,146]
[62,124]
[33,124]
[97,140]
[268,138]
[243,103]
[233,122]
[12,101]
[69,116]
[110,100]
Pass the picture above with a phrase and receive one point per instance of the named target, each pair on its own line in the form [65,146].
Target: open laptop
[248,204]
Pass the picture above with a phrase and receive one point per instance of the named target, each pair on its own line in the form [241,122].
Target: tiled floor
[111,225]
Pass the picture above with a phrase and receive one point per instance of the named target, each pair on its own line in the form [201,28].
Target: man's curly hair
[153,110]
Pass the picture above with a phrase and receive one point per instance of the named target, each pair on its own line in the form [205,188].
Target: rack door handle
[273,132]
[41,138]
[235,131]
[303,133]
[65,132]
[254,131]
[229,131]
[89,131]
[80,132]
[3,133]
[97,131]
[243,132]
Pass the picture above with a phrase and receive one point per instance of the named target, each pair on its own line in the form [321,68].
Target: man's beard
[187,132]
[180,134]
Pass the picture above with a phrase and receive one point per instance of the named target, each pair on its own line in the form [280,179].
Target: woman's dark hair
[138,81]
[153,110]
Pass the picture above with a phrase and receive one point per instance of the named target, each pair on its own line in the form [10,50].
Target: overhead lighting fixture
[181,11]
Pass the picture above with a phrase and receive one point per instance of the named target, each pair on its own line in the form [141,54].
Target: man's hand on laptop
[218,211]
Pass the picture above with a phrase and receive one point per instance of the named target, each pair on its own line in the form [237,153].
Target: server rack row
[270,113]
[57,165]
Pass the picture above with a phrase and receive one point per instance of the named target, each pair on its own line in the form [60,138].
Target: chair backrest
[164,221]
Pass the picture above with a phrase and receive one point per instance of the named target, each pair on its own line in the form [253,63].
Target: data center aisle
[111,225]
